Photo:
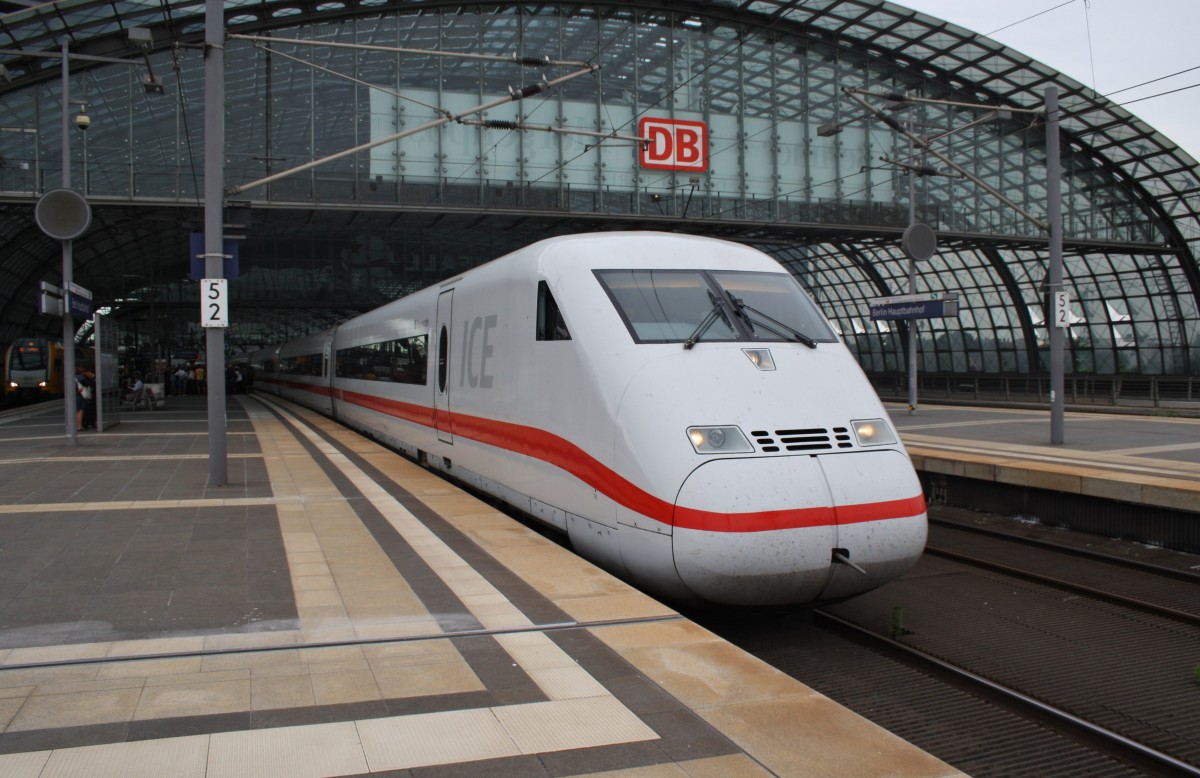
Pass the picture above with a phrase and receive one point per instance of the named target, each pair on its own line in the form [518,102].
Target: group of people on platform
[189,379]
[136,394]
[186,379]
[193,379]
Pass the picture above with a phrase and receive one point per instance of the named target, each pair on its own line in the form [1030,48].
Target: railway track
[1005,656]
[1173,592]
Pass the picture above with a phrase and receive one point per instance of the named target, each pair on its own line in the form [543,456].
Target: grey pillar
[913,324]
[214,222]
[68,262]
[1054,277]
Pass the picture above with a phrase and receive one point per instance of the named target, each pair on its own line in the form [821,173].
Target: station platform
[337,610]
[1143,459]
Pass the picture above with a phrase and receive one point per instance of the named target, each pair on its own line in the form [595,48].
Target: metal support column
[68,262]
[913,324]
[1054,278]
[214,223]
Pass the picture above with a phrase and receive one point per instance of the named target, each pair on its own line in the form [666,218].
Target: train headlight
[873,432]
[761,358]
[12,384]
[719,440]
[41,384]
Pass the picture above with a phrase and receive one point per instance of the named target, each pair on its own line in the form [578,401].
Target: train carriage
[676,405]
[33,369]
[303,372]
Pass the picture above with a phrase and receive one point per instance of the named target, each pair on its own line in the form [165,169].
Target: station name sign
[75,301]
[914,306]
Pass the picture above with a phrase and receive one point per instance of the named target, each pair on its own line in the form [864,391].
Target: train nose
[765,530]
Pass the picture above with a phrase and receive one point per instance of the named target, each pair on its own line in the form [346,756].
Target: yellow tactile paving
[125,458]
[328,749]
[343,582]
[582,590]
[142,759]
[141,505]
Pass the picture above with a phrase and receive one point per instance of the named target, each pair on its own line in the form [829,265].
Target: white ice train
[676,405]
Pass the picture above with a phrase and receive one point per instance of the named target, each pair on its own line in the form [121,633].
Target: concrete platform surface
[337,610]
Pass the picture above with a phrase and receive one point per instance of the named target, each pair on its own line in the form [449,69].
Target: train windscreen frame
[672,306]
[29,355]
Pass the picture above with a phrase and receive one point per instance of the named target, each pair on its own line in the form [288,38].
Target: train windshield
[774,307]
[29,355]
[687,306]
[666,306]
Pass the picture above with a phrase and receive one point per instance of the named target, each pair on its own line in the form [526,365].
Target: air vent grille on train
[814,439]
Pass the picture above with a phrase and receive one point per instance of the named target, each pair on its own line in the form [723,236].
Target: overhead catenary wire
[187,133]
[1153,81]
[1027,18]
[1160,94]
[1065,114]
[1087,22]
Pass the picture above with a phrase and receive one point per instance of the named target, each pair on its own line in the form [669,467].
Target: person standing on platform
[84,392]
[89,406]
[201,386]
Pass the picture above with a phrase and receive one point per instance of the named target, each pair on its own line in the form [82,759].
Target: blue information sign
[230,266]
[913,307]
[79,306]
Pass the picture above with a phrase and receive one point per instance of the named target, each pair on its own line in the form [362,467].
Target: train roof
[625,250]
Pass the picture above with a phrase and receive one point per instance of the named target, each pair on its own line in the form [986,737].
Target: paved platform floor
[337,610]
[1143,459]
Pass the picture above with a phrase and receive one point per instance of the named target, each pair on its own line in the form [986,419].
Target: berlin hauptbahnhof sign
[913,306]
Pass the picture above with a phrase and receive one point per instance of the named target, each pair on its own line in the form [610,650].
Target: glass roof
[1130,194]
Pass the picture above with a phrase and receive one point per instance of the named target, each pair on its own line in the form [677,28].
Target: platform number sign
[214,303]
[1062,309]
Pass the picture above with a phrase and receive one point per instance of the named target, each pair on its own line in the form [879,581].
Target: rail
[1102,740]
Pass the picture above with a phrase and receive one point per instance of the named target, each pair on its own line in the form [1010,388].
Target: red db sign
[673,144]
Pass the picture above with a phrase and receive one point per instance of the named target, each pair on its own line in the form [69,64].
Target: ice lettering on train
[477,333]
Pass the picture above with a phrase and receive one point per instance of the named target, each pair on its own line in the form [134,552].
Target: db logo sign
[673,144]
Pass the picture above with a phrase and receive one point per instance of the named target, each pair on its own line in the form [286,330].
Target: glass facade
[762,79]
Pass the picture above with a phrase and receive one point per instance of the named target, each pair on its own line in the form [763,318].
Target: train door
[441,390]
[327,371]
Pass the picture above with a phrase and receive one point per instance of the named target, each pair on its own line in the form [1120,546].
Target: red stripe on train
[550,448]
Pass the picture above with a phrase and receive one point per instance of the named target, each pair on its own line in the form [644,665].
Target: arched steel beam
[1000,267]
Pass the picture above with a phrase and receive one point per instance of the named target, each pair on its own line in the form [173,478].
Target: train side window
[443,358]
[401,361]
[550,323]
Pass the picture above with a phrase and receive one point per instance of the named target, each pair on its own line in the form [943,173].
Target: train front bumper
[764,531]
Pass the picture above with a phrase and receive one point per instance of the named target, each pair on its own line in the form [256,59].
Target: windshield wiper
[705,324]
[765,321]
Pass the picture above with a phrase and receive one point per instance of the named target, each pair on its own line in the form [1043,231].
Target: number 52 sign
[214,302]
